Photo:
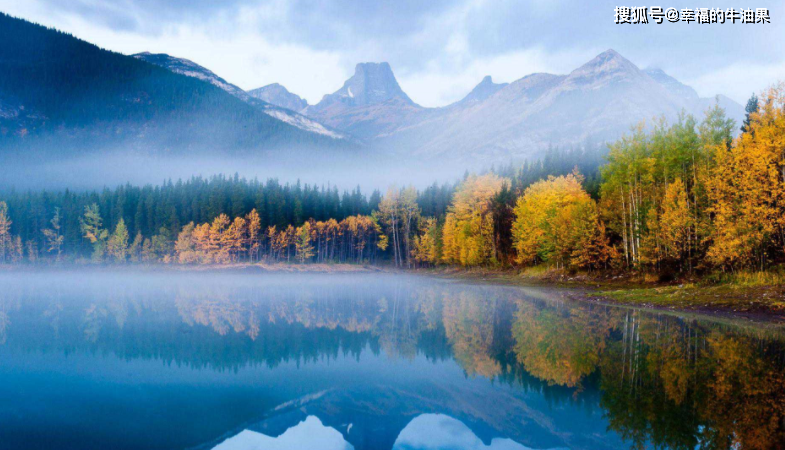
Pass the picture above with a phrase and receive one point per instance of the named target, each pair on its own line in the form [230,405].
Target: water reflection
[380,362]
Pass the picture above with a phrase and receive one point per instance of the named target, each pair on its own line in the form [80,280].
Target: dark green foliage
[163,210]
[558,162]
[752,107]
[435,199]
[503,217]
[77,96]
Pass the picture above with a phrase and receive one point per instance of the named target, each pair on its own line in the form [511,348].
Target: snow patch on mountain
[304,123]
[191,69]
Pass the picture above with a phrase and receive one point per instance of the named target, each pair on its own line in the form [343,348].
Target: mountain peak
[277,95]
[485,89]
[610,53]
[371,83]
[609,60]
[607,67]
[370,67]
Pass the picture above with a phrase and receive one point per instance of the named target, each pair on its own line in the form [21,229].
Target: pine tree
[751,108]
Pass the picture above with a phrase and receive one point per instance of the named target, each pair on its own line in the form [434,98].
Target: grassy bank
[745,293]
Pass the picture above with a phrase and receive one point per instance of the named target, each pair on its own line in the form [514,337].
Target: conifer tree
[751,108]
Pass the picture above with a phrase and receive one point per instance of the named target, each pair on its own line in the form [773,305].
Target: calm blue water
[169,360]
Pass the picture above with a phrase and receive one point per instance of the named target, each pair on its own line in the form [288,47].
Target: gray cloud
[418,36]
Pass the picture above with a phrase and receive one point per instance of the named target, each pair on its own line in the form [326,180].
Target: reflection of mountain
[382,417]
[424,432]
[658,379]
[437,431]
[310,433]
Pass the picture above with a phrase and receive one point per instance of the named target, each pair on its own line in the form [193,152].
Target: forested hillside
[64,95]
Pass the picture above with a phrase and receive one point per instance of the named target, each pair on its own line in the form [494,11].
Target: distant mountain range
[255,98]
[59,91]
[596,102]
[66,97]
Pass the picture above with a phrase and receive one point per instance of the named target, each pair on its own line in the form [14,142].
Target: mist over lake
[169,359]
[358,225]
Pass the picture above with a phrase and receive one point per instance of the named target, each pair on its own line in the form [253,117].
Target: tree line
[670,198]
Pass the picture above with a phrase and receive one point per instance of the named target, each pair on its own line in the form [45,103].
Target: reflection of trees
[661,380]
[682,385]
[4,320]
[559,345]
[6,305]
[745,401]
[469,325]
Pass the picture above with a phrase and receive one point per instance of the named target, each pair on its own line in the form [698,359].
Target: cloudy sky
[438,49]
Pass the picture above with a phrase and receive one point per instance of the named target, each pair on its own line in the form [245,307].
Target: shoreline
[759,303]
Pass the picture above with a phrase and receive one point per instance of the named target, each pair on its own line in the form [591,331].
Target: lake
[234,360]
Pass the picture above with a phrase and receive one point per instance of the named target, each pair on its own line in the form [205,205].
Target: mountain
[277,95]
[482,91]
[597,102]
[372,83]
[66,95]
[673,85]
[370,103]
[191,69]
[62,95]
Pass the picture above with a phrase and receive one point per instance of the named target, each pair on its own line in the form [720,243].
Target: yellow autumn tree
[303,243]
[675,222]
[747,190]
[556,221]
[234,238]
[218,249]
[185,245]
[254,237]
[117,246]
[426,249]
[468,229]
